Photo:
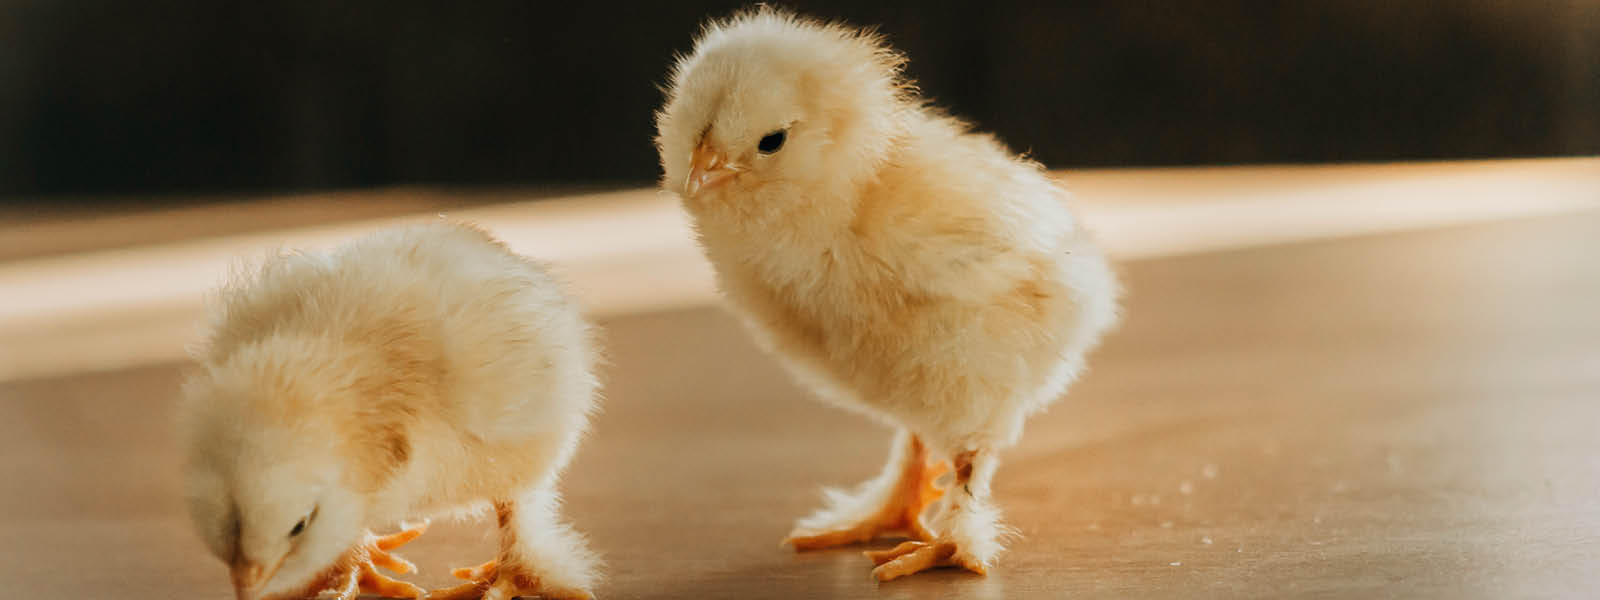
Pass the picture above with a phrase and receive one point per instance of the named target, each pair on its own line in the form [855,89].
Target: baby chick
[420,371]
[901,265]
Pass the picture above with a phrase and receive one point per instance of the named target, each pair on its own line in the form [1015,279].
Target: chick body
[959,296]
[420,371]
[898,263]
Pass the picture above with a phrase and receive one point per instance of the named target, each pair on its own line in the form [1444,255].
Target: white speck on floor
[1142,498]
[1185,488]
[1206,540]
[1209,471]
[1176,563]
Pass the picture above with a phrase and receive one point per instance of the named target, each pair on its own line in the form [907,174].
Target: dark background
[187,96]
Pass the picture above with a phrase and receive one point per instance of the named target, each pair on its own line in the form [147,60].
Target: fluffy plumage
[419,371]
[899,263]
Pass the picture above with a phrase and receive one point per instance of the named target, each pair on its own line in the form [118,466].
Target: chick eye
[300,526]
[772,142]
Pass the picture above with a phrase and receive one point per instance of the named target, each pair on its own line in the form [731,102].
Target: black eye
[772,142]
[301,526]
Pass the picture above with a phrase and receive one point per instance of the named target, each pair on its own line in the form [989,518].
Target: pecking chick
[900,264]
[420,371]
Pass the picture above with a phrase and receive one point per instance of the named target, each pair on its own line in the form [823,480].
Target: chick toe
[375,551]
[400,538]
[909,481]
[362,577]
[967,527]
[880,557]
[909,558]
[483,571]
[914,557]
[371,581]
[472,590]
[489,581]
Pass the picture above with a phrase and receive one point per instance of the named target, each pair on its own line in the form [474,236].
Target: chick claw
[484,582]
[903,513]
[914,557]
[378,548]
[363,576]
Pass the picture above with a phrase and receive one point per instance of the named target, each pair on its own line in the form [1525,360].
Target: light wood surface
[1407,415]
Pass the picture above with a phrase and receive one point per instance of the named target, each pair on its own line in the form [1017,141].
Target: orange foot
[357,572]
[913,491]
[915,557]
[489,581]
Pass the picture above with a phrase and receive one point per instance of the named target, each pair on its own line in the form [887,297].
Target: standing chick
[902,265]
[420,371]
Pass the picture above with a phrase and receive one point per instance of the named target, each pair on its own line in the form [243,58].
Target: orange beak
[247,577]
[708,169]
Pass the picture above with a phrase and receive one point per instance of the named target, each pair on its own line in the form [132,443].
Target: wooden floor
[1402,415]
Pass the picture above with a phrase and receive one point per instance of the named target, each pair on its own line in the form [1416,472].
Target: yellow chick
[902,266]
[421,371]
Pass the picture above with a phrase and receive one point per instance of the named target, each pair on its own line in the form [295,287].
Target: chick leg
[357,573]
[967,530]
[891,502]
[539,556]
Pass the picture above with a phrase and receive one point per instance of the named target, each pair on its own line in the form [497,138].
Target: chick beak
[247,576]
[707,169]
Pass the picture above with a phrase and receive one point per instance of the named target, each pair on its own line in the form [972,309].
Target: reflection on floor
[1406,415]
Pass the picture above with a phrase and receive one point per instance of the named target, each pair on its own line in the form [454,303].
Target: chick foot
[914,557]
[489,582]
[893,502]
[968,528]
[357,572]
[530,535]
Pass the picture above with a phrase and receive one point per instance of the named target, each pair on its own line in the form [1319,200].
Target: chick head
[769,102]
[266,483]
